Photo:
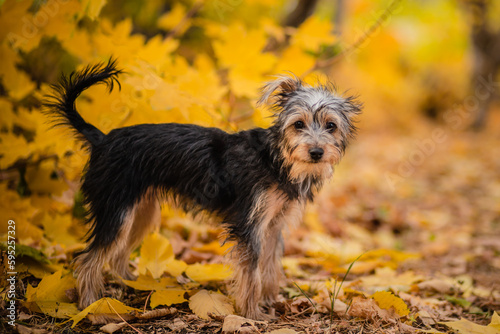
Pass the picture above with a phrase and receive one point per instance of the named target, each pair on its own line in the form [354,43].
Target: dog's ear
[278,91]
[351,107]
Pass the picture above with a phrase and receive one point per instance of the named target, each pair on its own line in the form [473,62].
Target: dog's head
[314,124]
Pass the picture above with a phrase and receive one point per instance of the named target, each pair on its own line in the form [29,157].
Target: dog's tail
[62,103]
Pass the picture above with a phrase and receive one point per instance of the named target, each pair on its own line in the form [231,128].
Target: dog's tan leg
[90,281]
[272,250]
[145,215]
[247,286]
[270,263]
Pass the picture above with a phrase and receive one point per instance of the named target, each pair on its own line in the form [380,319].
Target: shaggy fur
[254,181]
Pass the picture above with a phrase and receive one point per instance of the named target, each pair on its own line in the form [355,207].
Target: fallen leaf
[387,300]
[146,282]
[57,309]
[51,288]
[464,326]
[112,327]
[206,302]
[103,306]
[214,247]
[437,285]
[26,330]
[282,331]
[369,309]
[157,256]
[387,278]
[233,323]
[208,272]
[168,297]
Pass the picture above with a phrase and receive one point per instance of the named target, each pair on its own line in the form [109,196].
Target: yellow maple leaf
[215,247]
[63,21]
[174,18]
[386,300]
[12,148]
[464,326]
[104,306]
[202,81]
[167,96]
[8,115]
[175,267]
[11,30]
[205,302]
[156,250]
[29,120]
[295,60]
[43,179]
[273,29]
[240,50]
[55,309]
[495,321]
[80,43]
[147,282]
[168,297]
[157,50]
[19,82]
[314,33]
[117,40]
[208,272]
[56,228]
[157,256]
[99,99]
[387,278]
[51,288]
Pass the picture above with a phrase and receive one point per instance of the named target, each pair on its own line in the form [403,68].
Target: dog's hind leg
[90,281]
[104,243]
[143,217]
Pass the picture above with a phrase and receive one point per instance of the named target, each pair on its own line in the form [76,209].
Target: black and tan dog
[254,182]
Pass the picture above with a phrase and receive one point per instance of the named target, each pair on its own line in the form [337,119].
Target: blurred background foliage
[418,67]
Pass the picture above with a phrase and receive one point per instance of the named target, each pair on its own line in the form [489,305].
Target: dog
[255,181]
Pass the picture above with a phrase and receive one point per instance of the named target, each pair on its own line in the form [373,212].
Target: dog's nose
[316,153]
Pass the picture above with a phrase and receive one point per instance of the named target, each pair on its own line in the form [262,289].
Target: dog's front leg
[247,288]
[270,263]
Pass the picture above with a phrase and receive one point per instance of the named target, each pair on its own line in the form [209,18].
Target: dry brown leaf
[282,331]
[437,285]
[233,323]
[323,300]
[26,330]
[205,302]
[300,304]
[111,328]
[368,309]
[177,325]
[426,318]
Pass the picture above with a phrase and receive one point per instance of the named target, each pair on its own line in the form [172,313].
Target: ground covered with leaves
[404,239]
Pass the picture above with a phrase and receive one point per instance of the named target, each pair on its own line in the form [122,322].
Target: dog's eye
[299,125]
[331,126]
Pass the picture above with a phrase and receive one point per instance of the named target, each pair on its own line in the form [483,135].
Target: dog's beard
[301,170]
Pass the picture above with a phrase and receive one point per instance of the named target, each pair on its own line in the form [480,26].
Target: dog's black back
[197,167]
